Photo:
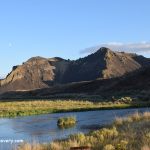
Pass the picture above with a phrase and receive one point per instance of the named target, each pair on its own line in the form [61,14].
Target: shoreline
[113,136]
[36,111]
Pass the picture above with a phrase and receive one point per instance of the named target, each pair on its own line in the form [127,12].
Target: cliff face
[40,72]
[36,73]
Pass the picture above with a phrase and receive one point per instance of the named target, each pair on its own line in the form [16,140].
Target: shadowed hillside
[40,72]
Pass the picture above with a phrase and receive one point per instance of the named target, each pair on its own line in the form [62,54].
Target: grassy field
[23,108]
[34,107]
[130,133]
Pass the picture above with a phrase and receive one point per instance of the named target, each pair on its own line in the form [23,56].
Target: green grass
[34,107]
[66,122]
[130,133]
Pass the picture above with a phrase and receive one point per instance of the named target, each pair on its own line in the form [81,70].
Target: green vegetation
[66,122]
[33,107]
[130,133]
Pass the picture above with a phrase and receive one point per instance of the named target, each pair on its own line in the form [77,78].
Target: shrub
[122,145]
[105,133]
[78,137]
[109,147]
[66,122]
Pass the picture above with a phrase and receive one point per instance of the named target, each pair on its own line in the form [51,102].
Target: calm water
[43,128]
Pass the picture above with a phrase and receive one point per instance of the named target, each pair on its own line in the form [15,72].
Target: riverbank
[129,133]
[36,107]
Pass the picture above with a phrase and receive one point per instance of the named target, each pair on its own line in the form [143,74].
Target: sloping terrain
[139,80]
[136,83]
[36,73]
[40,72]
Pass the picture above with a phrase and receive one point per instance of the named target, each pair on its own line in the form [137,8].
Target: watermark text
[11,141]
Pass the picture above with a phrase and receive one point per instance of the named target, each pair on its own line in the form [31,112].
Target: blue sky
[64,28]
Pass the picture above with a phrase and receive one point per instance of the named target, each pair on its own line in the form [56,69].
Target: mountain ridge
[38,72]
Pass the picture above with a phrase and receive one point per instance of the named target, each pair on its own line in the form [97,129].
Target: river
[43,128]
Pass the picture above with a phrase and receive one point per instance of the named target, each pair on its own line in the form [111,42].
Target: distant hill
[40,72]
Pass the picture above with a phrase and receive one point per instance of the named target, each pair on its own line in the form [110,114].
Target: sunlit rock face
[39,72]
